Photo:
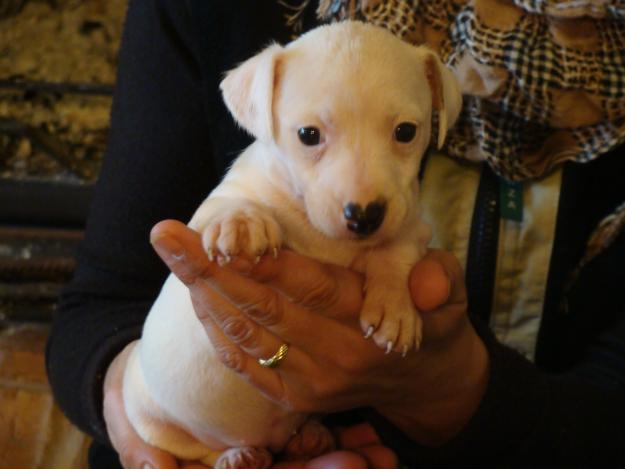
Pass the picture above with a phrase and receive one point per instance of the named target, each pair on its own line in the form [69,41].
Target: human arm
[158,164]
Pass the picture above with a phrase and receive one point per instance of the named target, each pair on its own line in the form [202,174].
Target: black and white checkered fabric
[512,131]
[517,123]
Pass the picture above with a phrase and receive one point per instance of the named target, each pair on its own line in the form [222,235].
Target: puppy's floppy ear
[248,92]
[446,95]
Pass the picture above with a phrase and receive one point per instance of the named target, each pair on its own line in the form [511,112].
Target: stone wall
[57,67]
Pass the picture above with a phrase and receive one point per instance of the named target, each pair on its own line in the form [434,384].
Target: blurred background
[57,72]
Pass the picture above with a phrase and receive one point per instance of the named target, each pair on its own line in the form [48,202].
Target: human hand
[133,452]
[249,310]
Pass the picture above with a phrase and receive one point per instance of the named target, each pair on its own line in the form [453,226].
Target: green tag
[511,200]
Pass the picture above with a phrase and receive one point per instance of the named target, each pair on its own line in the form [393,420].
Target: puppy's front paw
[248,231]
[389,316]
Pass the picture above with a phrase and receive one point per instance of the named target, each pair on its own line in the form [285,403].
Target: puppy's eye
[309,136]
[405,132]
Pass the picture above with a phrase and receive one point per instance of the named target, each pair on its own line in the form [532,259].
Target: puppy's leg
[388,314]
[245,457]
[152,425]
[236,226]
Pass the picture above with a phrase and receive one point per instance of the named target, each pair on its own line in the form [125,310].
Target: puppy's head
[348,109]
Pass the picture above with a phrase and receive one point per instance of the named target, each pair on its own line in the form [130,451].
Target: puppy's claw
[275,252]
[211,255]
[370,331]
[257,260]
[223,260]
[389,347]
[417,344]
[404,352]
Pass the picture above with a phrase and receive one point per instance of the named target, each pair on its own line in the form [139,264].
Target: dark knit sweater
[171,139]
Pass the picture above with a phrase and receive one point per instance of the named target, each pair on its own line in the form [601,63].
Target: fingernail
[168,247]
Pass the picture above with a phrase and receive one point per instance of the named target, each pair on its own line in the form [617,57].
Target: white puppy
[342,118]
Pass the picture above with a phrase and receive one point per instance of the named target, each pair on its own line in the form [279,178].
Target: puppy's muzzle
[364,222]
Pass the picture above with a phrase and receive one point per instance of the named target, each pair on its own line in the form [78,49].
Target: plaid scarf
[543,80]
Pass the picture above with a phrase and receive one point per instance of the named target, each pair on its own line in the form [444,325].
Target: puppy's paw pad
[249,232]
[312,440]
[245,457]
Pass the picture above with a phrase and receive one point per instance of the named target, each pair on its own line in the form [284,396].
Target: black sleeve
[533,418]
[157,166]
[526,418]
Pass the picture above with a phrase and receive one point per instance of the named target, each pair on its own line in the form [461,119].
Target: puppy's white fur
[355,83]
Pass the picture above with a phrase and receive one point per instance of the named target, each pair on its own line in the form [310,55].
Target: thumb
[435,280]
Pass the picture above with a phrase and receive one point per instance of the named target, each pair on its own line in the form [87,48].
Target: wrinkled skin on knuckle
[203,309]
[240,332]
[321,294]
[189,272]
[267,311]
[231,357]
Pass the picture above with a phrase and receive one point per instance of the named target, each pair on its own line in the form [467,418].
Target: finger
[232,334]
[265,380]
[378,457]
[364,440]
[181,250]
[311,284]
[338,460]
[435,280]
[267,308]
[356,436]
[220,316]
[133,451]
[334,460]
[322,288]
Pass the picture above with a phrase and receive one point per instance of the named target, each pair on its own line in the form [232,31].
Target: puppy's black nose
[364,222]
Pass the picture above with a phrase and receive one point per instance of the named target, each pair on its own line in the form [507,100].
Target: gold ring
[274,360]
